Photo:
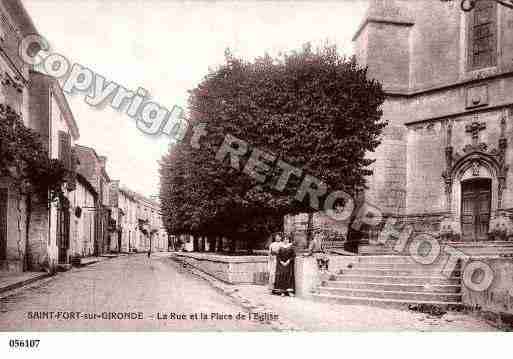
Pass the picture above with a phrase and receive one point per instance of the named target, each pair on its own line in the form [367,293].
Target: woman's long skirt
[284,277]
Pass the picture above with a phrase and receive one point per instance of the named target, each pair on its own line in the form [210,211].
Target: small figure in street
[284,284]
[316,248]
[149,253]
[274,247]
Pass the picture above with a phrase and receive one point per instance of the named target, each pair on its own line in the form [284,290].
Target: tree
[312,109]
[24,160]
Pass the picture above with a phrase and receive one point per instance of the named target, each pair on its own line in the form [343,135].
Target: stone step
[489,251]
[480,244]
[387,303]
[402,287]
[397,295]
[408,279]
[414,271]
[375,250]
[385,259]
[396,266]
[469,248]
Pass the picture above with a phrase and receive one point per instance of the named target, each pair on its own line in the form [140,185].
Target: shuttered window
[65,149]
[483,35]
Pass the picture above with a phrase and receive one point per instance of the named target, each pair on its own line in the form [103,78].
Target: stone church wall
[450,116]
[425,163]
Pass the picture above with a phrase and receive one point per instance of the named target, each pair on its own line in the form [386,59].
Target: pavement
[10,281]
[307,315]
[128,293]
[132,293]
[13,280]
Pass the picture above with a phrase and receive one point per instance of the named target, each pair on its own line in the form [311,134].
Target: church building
[448,74]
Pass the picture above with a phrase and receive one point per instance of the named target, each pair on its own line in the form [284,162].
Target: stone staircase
[477,249]
[390,280]
[473,249]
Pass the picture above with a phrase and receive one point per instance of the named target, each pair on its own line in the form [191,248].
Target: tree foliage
[24,159]
[313,109]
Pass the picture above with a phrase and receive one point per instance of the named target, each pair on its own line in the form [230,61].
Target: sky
[167,47]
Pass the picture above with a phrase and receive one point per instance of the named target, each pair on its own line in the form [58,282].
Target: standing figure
[284,284]
[316,248]
[274,247]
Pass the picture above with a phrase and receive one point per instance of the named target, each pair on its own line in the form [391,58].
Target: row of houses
[96,216]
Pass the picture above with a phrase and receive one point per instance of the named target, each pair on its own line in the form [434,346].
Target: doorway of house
[476,197]
[63,218]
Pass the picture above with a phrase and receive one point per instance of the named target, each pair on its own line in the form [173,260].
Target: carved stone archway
[474,166]
[474,157]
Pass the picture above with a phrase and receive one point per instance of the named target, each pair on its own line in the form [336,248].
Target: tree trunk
[195,244]
[354,236]
[219,244]
[250,244]
[233,244]
[211,243]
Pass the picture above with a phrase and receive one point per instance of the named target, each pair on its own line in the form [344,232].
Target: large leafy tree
[312,109]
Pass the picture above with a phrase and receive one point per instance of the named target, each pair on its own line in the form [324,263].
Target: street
[133,293]
[119,291]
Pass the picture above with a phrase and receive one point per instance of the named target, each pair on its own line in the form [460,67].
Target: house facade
[139,225]
[93,168]
[83,203]
[445,155]
[14,83]
[127,203]
[152,234]
[51,225]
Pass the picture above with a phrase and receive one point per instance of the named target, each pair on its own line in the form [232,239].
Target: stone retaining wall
[496,302]
[229,269]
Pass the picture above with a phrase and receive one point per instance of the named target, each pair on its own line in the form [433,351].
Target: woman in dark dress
[284,282]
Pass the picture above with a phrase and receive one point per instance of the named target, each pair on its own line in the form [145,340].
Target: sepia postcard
[255,166]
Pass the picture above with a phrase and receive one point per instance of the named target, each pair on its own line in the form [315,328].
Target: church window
[482,48]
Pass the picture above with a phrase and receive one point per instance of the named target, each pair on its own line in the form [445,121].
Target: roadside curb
[25,282]
[45,275]
[234,294]
[82,265]
[99,259]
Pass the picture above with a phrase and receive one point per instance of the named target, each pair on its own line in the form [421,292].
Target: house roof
[98,157]
[87,184]
[20,14]
[127,192]
[147,200]
[89,149]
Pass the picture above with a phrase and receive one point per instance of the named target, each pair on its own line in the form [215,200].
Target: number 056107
[24,343]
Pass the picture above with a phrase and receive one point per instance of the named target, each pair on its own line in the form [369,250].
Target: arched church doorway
[476,197]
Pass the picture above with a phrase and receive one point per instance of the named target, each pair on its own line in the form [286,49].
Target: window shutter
[65,149]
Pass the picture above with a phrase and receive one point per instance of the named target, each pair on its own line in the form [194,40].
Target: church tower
[448,76]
